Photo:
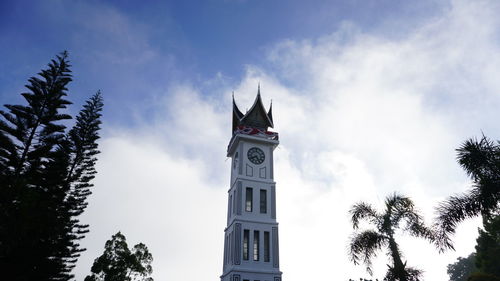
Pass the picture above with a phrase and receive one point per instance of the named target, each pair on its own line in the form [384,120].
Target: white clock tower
[251,251]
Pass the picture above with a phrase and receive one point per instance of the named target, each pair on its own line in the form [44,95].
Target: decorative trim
[271,163]
[240,164]
[273,201]
[277,278]
[231,247]
[236,277]
[262,172]
[238,198]
[276,261]
[229,206]
[225,253]
[270,223]
[249,171]
[254,180]
[247,130]
[237,244]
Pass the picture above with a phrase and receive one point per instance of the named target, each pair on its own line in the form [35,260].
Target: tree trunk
[399,271]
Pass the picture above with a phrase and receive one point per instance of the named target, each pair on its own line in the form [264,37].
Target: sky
[369,98]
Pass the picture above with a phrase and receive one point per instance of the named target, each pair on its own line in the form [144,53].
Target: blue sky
[369,97]
[172,41]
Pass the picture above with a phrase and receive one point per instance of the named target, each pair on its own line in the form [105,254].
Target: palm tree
[481,161]
[365,244]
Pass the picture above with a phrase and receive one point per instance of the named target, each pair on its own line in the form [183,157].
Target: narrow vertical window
[231,248]
[249,199]
[228,249]
[266,246]
[246,234]
[256,243]
[235,196]
[225,249]
[230,205]
[263,201]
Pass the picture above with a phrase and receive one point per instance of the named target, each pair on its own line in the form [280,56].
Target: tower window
[231,248]
[230,204]
[263,201]
[256,243]
[249,199]
[266,246]
[235,201]
[246,234]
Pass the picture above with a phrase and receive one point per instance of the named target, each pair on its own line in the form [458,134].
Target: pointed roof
[255,117]
[236,110]
[237,115]
[270,113]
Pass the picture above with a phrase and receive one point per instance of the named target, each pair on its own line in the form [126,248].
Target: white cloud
[359,117]
[157,199]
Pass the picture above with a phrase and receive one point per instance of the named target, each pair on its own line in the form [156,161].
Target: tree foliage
[481,161]
[478,276]
[45,174]
[119,263]
[462,268]
[488,247]
[485,263]
[399,213]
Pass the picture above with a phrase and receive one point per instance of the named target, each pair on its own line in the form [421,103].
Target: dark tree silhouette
[365,244]
[462,268]
[481,160]
[119,263]
[485,263]
[45,175]
[488,247]
[478,276]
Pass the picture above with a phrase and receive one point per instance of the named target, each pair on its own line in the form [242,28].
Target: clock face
[256,155]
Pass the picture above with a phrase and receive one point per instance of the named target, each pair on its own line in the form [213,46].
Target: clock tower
[251,251]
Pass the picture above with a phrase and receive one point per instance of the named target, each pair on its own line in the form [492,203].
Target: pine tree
[488,247]
[45,175]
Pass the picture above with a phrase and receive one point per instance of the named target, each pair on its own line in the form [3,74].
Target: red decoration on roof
[256,132]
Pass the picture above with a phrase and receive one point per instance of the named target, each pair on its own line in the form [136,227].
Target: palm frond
[403,208]
[397,202]
[363,247]
[417,228]
[361,211]
[480,159]
[453,211]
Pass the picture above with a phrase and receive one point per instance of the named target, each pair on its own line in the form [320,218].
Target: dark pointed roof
[256,117]
[237,115]
[270,113]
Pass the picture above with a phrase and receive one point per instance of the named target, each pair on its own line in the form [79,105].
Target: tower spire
[256,117]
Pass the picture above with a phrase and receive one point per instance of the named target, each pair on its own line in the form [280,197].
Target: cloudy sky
[369,97]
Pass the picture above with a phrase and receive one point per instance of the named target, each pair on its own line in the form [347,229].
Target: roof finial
[258,89]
